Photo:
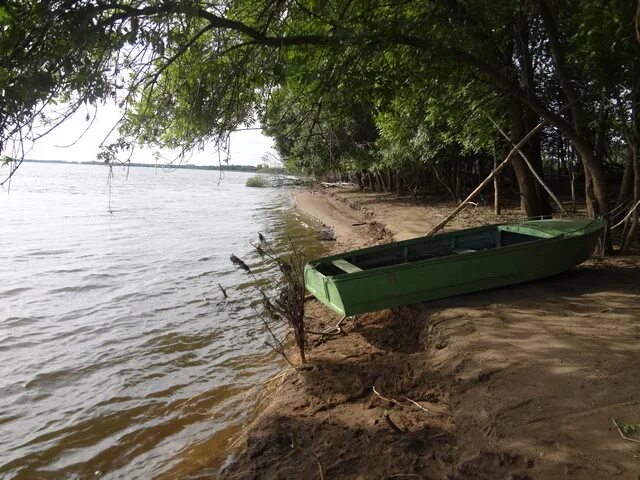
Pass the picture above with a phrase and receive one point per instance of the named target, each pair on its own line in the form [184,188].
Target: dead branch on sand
[394,401]
[335,330]
[416,404]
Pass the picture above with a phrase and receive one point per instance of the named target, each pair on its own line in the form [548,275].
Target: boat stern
[323,288]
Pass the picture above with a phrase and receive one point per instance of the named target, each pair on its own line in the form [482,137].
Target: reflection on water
[119,356]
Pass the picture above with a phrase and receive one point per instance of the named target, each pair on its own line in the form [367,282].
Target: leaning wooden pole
[533,170]
[487,180]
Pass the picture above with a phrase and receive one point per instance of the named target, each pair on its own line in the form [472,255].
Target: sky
[247,147]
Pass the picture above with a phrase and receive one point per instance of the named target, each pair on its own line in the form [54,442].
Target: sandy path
[346,221]
[408,218]
[519,382]
[404,219]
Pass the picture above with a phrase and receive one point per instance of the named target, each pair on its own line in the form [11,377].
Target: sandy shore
[520,382]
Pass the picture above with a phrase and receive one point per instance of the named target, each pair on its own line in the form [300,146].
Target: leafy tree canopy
[350,84]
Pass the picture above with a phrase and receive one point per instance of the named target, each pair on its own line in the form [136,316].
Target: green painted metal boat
[448,264]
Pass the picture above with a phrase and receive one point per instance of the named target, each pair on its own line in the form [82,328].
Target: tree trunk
[457,187]
[533,148]
[573,189]
[633,225]
[496,186]
[635,153]
[596,190]
[590,198]
[399,186]
[379,183]
[530,202]
[626,186]
[595,180]
[533,151]
[443,182]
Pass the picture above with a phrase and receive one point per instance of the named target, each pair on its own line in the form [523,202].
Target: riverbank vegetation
[257,181]
[273,180]
[407,97]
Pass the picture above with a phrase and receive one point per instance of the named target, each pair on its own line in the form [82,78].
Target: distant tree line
[260,168]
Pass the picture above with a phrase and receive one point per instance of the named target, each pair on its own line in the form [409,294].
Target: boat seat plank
[463,250]
[346,266]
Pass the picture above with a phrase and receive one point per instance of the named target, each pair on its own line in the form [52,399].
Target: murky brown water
[119,356]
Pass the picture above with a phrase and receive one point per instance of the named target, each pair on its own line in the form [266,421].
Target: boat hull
[555,251]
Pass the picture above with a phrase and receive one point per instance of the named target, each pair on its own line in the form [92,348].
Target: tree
[187,73]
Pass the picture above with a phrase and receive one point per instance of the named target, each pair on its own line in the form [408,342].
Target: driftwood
[396,402]
[338,184]
[533,170]
[487,180]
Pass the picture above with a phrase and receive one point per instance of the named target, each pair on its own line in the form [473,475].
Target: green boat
[448,264]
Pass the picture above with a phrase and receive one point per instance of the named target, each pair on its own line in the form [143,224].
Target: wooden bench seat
[346,266]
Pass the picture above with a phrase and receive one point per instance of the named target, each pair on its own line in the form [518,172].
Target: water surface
[119,355]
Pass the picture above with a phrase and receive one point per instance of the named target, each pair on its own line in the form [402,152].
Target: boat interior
[423,249]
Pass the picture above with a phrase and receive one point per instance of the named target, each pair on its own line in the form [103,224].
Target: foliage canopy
[363,86]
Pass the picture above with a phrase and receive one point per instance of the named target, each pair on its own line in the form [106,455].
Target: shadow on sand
[519,382]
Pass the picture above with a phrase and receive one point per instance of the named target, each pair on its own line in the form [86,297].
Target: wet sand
[519,382]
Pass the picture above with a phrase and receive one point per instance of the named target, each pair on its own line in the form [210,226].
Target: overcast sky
[247,147]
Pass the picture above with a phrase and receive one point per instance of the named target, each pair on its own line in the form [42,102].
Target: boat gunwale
[591,227]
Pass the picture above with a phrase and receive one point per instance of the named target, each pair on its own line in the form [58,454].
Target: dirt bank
[520,382]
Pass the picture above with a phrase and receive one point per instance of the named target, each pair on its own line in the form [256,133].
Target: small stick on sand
[390,400]
[335,330]
[416,404]
[393,400]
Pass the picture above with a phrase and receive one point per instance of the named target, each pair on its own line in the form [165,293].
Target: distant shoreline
[230,168]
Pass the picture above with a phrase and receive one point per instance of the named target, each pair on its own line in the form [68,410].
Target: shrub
[256,181]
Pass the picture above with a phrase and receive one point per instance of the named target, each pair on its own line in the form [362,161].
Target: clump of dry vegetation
[285,303]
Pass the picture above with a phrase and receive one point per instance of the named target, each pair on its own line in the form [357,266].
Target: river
[120,358]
